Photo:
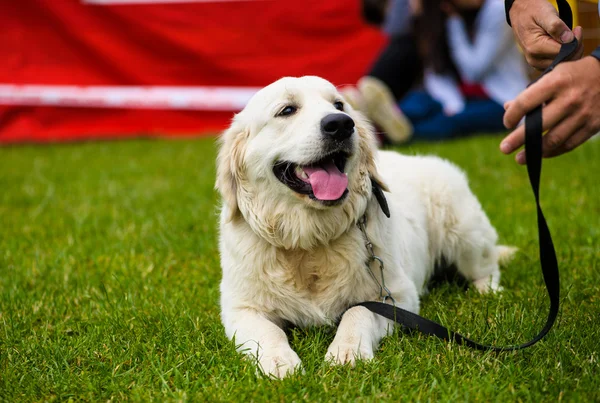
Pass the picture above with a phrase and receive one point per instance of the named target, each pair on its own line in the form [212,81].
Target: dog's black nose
[338,126]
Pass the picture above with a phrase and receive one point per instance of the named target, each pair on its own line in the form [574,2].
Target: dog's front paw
[348,353]
[279,362]
[487,285]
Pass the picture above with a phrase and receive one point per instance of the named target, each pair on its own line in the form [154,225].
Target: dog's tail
[505,254]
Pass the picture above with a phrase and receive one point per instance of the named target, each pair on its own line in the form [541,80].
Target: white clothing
[492,59]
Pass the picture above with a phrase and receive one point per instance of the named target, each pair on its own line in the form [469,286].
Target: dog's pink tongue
[327,182]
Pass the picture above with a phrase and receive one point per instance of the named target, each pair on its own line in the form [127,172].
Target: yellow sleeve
[574,8]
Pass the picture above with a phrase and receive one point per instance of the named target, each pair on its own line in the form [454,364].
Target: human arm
[571,112]
[444,89]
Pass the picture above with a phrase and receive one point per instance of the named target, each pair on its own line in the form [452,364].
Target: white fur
[286,257]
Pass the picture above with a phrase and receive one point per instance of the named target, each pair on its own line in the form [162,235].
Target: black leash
[533,146]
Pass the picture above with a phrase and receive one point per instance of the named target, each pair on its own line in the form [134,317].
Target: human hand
[571,114]
[416,7]
[540,32]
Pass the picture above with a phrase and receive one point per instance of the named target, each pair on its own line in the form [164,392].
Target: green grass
[109,274]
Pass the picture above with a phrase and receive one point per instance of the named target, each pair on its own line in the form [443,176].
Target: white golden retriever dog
[296,171]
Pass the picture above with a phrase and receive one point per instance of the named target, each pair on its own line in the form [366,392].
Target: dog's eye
[339,105]
[287,111]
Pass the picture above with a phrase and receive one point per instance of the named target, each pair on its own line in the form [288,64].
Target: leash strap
[533,146]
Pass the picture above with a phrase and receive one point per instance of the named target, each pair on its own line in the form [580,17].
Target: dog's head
[297,164]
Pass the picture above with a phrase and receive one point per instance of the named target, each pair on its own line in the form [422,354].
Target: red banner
[76,69]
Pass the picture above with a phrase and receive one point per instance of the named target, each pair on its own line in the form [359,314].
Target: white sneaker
[381,108]
[354,98]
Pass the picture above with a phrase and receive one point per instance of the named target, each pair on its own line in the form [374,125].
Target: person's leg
[394,72]
[437,127]
[381,108]
[398,65]
[418,105]
[479,116]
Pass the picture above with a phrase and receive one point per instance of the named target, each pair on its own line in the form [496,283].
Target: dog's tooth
[300,173]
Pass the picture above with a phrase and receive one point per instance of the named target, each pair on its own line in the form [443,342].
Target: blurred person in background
[570,93]
[472,67]
[397,68]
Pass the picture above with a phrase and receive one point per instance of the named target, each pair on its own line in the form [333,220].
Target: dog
[298,170]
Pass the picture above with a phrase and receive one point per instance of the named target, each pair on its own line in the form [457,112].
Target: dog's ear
[232,144]
[368,146]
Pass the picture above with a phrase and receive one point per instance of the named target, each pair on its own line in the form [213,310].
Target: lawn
[109,286]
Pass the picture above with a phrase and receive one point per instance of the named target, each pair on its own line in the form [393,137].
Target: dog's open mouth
[323,180]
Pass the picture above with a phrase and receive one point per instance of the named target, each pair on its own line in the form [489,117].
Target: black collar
[378,192]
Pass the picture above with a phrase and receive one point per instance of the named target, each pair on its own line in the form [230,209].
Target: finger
[513,141]
[541,51]
[555,27]
[546,48]
[583,135]
[578,138]
[537,94]
[558,151]
[521,157]
[578,32]
[557,137]
[578,54]
[552,114]
[539,64]
[545,54]
[580,48]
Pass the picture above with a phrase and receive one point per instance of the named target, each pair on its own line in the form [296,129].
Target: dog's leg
[358,336]
[480,265]
[361,330]
[260,338]
[471,244]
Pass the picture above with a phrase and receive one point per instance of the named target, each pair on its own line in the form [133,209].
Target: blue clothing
[480,115]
